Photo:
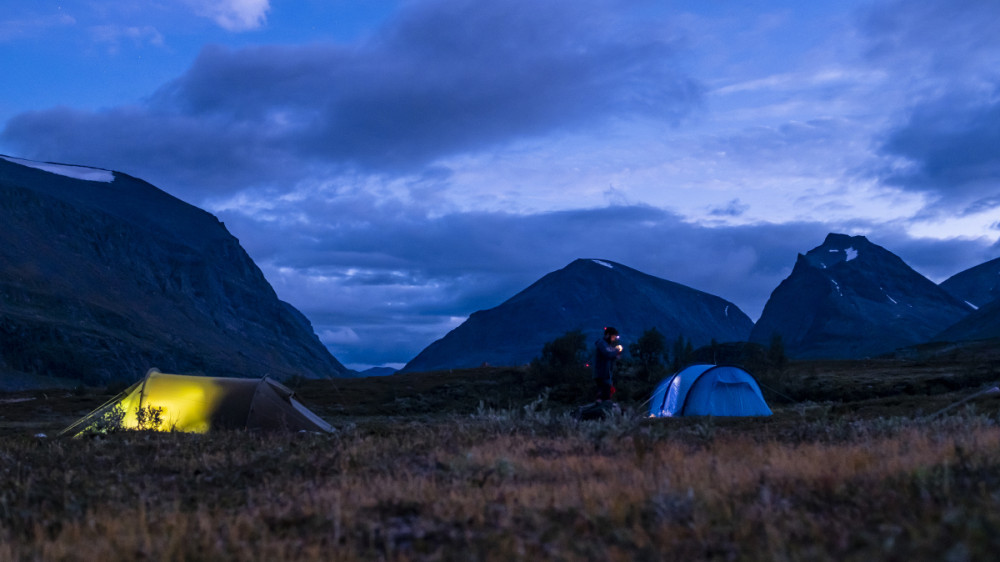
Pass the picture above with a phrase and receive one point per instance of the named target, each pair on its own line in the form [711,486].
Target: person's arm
[607,350]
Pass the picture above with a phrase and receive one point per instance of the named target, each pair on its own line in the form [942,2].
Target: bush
[649,353]
[149,418]
[566,351]
[111,421]
[563,366]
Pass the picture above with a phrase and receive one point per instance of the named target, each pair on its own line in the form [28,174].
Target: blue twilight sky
[393,166]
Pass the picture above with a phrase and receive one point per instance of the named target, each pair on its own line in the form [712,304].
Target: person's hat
[610,331]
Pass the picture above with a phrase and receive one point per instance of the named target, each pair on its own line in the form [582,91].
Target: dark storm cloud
[952,148]
[443,77]
[516,249]
[945,144]
[177,152]
[952,39]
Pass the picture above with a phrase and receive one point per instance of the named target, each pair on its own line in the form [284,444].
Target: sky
[394,166]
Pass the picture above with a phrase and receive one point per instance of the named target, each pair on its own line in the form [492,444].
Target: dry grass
[470,466]
[527,483]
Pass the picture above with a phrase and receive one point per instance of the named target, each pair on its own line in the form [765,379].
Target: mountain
[586,295]
[977,285]
[982,324]
[103,276]
[378,372]
[850,298]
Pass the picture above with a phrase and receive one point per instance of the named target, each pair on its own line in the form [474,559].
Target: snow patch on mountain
[888,296]
[75,172]
[850,254]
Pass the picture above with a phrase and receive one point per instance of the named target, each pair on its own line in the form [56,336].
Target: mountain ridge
[978,285]
[102,280]
[586,295]
[850,298]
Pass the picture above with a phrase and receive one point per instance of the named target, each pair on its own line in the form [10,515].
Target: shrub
[562,364]
[111,421]
[149,418]
[649,353]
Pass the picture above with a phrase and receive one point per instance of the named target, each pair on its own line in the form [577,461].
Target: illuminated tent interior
[198,404]
[708,390]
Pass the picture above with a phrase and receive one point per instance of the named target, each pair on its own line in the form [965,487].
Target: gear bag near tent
[198,404]
[708,390]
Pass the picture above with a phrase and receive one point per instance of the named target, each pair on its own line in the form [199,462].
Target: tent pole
[142,389]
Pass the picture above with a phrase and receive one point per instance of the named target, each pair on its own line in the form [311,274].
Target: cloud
[341,336]
[947,148]
[33,26]
[233,15]
[113,35]
[399,278]
[398,275]
[935,42]
[939,259]
[792,147]
[942,143]
[441,78]
[734,208]
[180,153]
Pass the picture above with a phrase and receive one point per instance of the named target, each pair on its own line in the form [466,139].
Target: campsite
[888,459]
[341,281]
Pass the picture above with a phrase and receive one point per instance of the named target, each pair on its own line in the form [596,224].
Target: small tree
[649,352]
[638,372]
[562,359]
[565,351]
[776,357]
[683,350]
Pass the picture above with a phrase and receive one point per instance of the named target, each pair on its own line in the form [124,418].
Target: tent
[708,390]
[198,404]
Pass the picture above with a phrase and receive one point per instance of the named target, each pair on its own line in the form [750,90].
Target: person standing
[606,354]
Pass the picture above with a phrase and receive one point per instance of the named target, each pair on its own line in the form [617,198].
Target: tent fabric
[708,390]
[198,404]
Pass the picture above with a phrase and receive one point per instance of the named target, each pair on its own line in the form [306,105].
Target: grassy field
[859,462]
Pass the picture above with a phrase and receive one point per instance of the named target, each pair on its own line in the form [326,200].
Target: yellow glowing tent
[198,404]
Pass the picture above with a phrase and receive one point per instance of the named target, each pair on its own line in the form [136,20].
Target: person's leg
[603,390]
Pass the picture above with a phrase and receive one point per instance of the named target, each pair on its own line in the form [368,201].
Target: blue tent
[708,390]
